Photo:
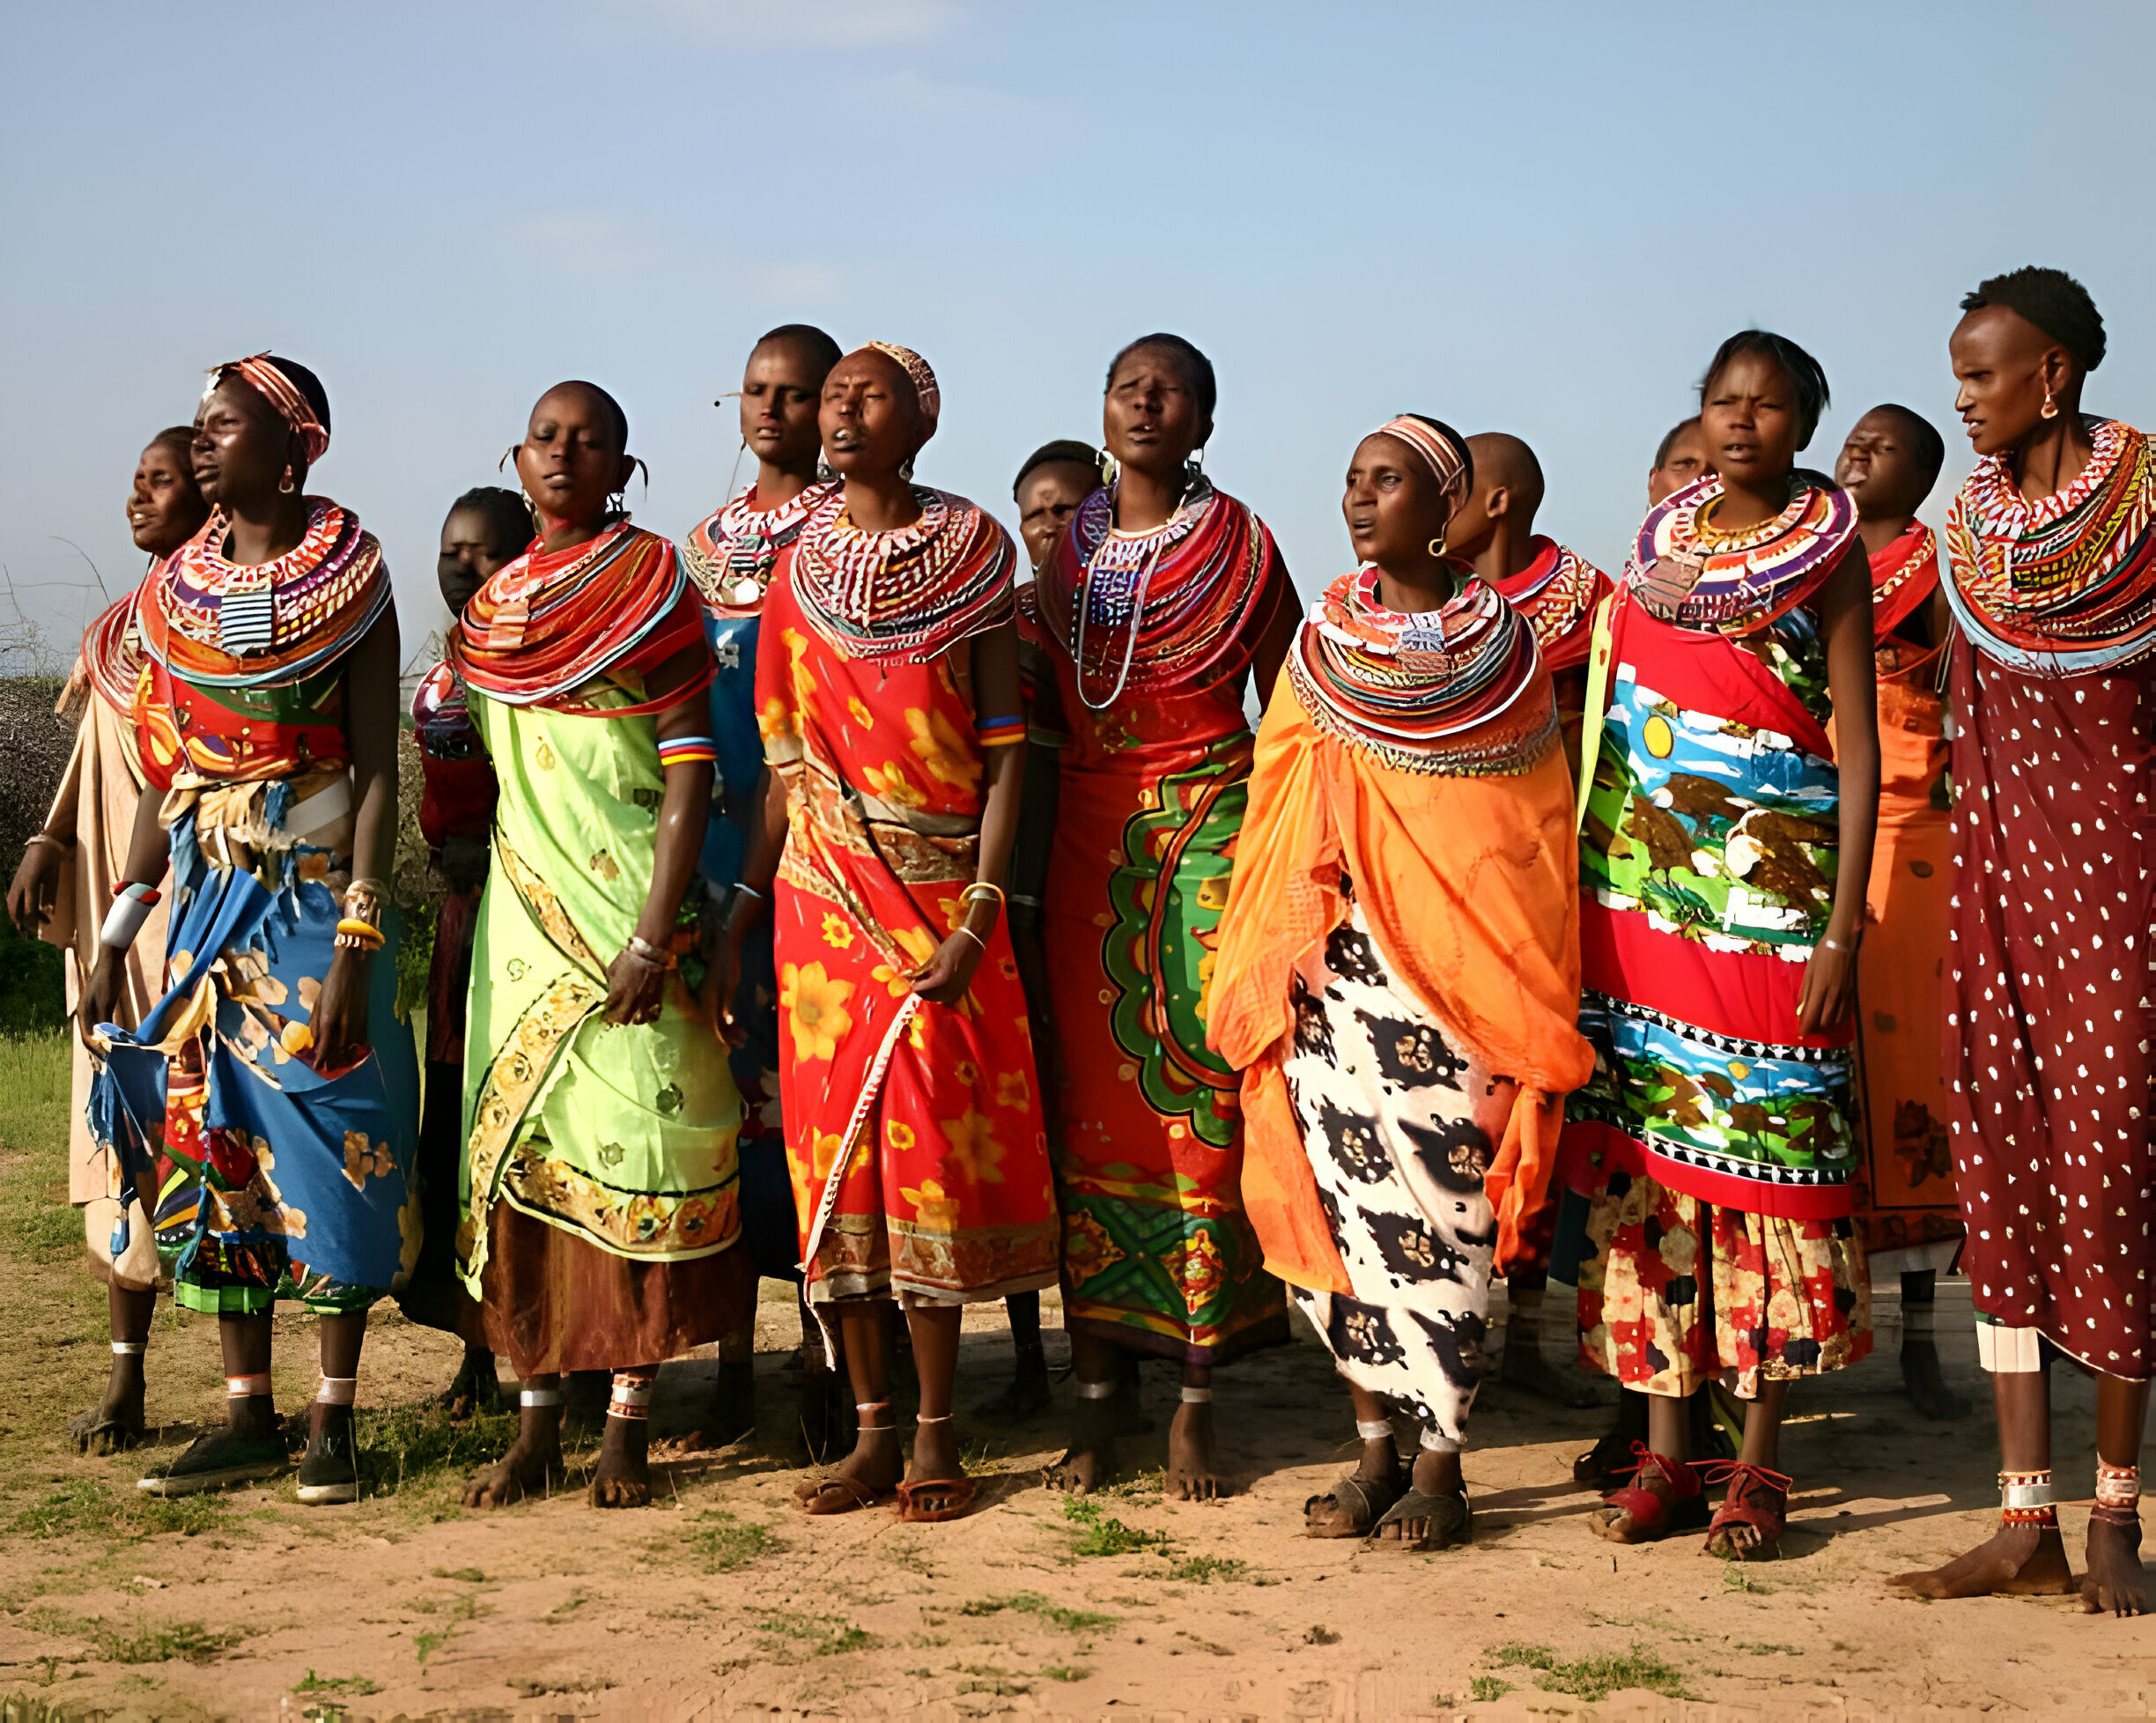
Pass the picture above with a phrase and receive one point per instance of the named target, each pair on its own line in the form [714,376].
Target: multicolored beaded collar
[112,652]
[2065,586]
[1149,612]
[1689,572]
[215,624]
[1903,576]
[1457,691]
[730,556]
[1557,593]
[911,593]
[547,625]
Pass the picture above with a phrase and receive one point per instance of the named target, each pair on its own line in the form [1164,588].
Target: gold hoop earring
[285,484]
[2050,407]
[1437,546]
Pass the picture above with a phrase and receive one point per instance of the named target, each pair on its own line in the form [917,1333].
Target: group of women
[1521,938]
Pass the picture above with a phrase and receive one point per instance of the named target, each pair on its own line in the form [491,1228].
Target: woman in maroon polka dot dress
[2053,558]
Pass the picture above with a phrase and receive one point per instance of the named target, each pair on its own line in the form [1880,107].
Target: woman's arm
[944,978]
[149,855]
[1845,620]
[339,1020]
[636,980]
[750,900]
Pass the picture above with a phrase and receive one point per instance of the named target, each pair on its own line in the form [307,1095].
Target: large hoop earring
[285,487]
[508,454]
[2050,407]
[1437,546]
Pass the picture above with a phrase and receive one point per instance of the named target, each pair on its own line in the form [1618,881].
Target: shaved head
[1503,459]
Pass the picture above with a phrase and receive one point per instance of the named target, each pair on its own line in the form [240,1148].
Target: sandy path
[552,1610]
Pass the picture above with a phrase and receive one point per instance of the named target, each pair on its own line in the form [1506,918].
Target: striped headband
[917,369]
[263,374]
[1439,447]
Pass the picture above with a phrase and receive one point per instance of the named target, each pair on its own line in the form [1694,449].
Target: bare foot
[2017,1561]
[117,1422]
[475,1387]
[1090,1462]
[532,1466]
[1377,1474]
[1193,1473]
[1925,1384]
[732,1413]
[868,1475]
[2114,1584]
[621,1479]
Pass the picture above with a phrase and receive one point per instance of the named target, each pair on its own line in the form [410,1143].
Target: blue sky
[1533,218]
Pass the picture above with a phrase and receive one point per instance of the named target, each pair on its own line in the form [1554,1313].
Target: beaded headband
[918,373]
[1440,452]
[261,372]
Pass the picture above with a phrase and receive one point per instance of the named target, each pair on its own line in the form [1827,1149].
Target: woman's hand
[31,893]
[339,1020]
[1829,983]
[943,979]
[99,1000]
[722,988]
[635,987]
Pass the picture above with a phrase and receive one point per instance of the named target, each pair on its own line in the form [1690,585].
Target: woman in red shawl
[887,693]
[1162,598]
[2051,555]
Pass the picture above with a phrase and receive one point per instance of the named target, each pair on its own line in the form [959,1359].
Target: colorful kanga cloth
[732,558]
[1150,637]
[2048,1005]
[1904,1190]
[1707,873]
[914,1130]
[296,1182]
[95,803]
[1397,979]
[600,1176]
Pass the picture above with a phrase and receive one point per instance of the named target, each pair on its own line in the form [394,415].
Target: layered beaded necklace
[730,555]
[910,593]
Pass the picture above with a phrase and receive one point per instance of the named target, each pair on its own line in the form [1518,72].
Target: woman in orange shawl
[888,694]
[1399,973]
[1905,1200]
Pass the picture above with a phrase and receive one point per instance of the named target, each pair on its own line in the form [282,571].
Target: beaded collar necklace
[730,555]
[910,593]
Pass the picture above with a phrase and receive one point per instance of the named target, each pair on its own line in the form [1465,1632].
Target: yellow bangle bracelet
[362,933]
[974,892]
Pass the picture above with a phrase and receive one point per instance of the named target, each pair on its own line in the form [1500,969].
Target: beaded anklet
[2025,1498]
[2118,1495]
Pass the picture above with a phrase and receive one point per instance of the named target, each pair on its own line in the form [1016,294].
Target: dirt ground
[723,1601]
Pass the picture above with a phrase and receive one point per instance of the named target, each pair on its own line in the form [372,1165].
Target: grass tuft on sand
[87,1508]
[718,1541]
[1595,1676]
[1032,1603]
[1101,1534]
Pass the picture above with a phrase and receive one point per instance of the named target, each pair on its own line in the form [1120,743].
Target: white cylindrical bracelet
[131,907]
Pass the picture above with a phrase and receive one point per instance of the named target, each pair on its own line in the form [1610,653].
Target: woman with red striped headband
[275,1069]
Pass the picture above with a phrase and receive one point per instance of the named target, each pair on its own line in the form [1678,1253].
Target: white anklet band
[1433,1443]
[248,1388]
[336,1391]
[940,1418]
[1378,1430]
[1918,1318]
[1197,1396]
[1097,1390]
[2026,1489]
[129,1349]
[2117,1486]
[631,1397]
[539,1397]
[871,1405]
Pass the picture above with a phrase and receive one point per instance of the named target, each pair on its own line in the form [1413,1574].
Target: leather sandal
[1363,1499]
[961,1491]
[836,1493]
[1751,1501]
[1647,1515]
[1450,1520]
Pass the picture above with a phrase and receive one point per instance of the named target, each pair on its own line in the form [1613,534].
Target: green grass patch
[186,1641]
[37,1224]
[826,1636]
[1595,1676]
[85,1507]
[406,1447]
[1066,1671]
[1483,1689]
[352,1687]
[1032,1603]
[1101,1534]
[1203,1569]
[719,1543]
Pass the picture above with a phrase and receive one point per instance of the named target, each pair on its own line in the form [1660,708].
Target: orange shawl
[1470,885]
